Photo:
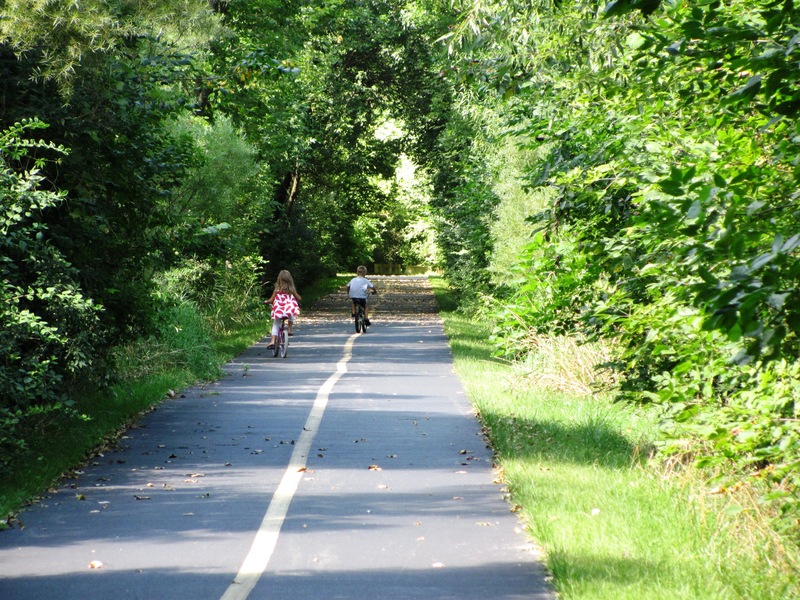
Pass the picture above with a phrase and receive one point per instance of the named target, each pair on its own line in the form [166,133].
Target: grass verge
[613,523]
[59,443]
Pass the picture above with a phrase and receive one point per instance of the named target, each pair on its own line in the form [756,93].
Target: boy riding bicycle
[357,290]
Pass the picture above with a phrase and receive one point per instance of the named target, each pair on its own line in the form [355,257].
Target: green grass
[612,522]
[186,354]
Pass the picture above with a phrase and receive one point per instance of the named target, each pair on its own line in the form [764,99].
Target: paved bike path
[395,499]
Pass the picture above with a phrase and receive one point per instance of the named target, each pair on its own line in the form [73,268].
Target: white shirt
[359,286]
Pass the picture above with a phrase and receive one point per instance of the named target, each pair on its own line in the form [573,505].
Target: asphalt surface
[362,452]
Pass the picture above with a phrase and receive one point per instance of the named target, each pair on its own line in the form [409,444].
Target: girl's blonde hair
[285,283]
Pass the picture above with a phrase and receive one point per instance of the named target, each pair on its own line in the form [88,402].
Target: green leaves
[48,328]
[666,138]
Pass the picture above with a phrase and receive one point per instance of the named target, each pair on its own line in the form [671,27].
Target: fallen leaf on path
[95,564]
[141,497]
[375,468]
[438,565]
[80,497]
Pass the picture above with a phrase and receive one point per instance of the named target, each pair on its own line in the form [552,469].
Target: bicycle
[360,319]
[281,340]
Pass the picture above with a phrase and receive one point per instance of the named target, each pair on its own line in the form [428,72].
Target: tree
[49,329]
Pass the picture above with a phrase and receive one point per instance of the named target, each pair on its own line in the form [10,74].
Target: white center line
[266,538]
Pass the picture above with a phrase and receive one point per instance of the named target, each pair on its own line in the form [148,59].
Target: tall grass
[184,342]
[613,519]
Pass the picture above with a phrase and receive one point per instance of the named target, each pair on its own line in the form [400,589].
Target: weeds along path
[354,468]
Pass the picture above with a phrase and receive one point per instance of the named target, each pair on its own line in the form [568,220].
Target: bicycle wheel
[359,319]
[284,342]
[277,347]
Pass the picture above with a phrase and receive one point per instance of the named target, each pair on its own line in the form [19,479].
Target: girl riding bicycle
[285,303]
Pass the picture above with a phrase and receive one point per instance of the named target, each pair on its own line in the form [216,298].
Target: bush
[48,328]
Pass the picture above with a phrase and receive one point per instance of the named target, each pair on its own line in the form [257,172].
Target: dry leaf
[95,564]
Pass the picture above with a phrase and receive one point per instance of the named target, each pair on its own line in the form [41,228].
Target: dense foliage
[661,144]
